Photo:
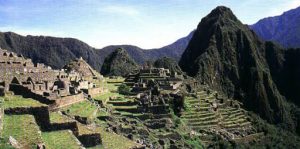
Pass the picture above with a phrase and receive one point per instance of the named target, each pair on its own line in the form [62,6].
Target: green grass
[117,80]
[60,140]
[83,109]
[84,130]
[11,101]
[4,144]
[125,107]
[55,117]
[114,141]
[23,128]
[105,96]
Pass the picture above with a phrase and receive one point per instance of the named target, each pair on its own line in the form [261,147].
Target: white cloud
[120,10]
[287,5]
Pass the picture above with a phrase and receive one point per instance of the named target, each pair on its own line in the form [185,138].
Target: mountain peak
[120,50]
[222,12]
[118,63]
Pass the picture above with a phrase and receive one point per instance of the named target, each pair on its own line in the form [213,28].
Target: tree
[124,89]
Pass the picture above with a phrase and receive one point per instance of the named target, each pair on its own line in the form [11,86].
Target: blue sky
[145,23]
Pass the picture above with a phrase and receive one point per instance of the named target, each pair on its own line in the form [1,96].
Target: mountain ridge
[283,29]
[60,51]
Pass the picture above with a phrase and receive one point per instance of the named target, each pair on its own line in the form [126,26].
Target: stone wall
[95,91]
[67,100]
[41,114]
[67,125]
[2,91]
[83,120]
[27,93]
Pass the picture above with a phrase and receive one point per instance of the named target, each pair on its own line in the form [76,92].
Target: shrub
[124,89]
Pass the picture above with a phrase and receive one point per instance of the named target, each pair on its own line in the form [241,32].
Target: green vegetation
[4,144]
[23,128]
[82,109]
[60,140]
[12,101]
[275,137]
[55,117]
[118,63]
[124,89]
[193,142]
[114,141]
[167,63]
[115,80]
[104,97]
[84,130]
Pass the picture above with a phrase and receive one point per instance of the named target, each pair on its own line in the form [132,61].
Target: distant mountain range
[56,52]
[283,29]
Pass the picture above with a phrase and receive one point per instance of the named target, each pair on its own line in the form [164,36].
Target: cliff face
[229,57]
[118,63]
[283,29]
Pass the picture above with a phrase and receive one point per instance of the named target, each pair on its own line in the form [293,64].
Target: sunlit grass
[60,140]
[23,128]
[83,109]
[12,101]
[55,117]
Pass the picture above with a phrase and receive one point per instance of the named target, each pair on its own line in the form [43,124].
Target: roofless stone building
[40,82]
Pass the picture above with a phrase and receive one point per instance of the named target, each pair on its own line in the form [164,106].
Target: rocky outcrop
[118,63]
[229,57]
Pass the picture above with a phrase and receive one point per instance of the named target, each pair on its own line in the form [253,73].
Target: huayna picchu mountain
[118,63]
[228,56]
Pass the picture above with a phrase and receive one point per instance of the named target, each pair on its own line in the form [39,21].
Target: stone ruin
[148,78]
[83,68]
[38,81]
[56,88]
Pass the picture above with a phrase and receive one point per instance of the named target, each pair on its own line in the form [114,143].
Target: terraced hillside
[206,112]
[28,124]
